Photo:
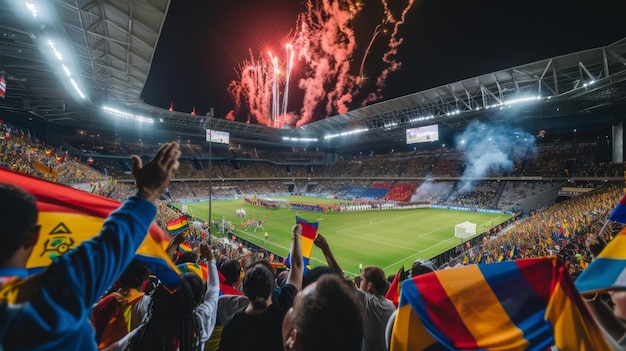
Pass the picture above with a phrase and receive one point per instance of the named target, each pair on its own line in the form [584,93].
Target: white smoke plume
[491,148]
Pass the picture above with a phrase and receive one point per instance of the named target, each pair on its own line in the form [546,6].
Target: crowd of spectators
[559,229]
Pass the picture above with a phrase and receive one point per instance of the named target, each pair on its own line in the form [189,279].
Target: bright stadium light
[32,8]
[56,49]
[56,52]
[78,91]
[508,103]
[48,31]
[127,115]
[299,139]
[421,119]
[331,136]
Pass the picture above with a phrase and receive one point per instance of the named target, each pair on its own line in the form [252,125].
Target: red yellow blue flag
[69,216]
[529,304]
[309,233]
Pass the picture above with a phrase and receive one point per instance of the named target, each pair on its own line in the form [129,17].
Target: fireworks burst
[323,46]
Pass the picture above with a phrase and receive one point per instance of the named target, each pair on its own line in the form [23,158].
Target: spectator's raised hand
[206,252]
[179,239]
[594,242]
[321,242]
[155,176]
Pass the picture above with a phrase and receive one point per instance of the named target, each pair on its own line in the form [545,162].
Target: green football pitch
[388,239]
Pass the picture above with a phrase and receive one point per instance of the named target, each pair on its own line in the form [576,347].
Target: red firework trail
[323,47]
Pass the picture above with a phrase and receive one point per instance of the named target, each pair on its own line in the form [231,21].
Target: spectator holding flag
[605,275]
[121,311]
[51,310]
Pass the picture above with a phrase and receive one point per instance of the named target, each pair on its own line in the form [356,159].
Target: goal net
[465,230]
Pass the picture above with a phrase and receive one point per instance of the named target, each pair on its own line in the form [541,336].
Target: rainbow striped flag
[608,270]
[201,269]
[178,225]
[69,216]
[185,247]
[527,304]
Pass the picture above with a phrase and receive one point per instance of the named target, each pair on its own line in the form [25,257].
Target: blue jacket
[57,318]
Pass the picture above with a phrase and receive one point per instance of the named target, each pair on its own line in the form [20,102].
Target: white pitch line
[416,253]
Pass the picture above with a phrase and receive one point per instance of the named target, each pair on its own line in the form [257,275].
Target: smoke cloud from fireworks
[323,48]
[491,148]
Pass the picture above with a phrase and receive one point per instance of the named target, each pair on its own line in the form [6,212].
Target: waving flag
[619,212]
[608,270]
[184,247]
[200,269]
[309,232]
[70,216]
[393,294]
[527,304]
[178,225]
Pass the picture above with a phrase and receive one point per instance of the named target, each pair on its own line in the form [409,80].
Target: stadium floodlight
[286,138]
[32,8]
[421,119]
[47,30]
[508,103]
[127,115]
[331,136]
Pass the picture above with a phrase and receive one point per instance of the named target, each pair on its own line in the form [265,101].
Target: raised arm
[321,242]
[601,311]
[173,245]
[93,266]
[207,311]
[297,266]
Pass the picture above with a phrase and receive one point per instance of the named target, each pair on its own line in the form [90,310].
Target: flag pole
[210,176]
[603,227]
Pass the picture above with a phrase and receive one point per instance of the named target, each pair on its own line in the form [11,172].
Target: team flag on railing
[70,216]
[178,225]
[529,304]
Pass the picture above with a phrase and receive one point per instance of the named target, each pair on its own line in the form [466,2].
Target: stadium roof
[107,49]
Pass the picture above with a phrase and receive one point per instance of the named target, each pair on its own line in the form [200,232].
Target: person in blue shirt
[51,310]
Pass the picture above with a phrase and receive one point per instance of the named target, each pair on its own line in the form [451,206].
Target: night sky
[204,43]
